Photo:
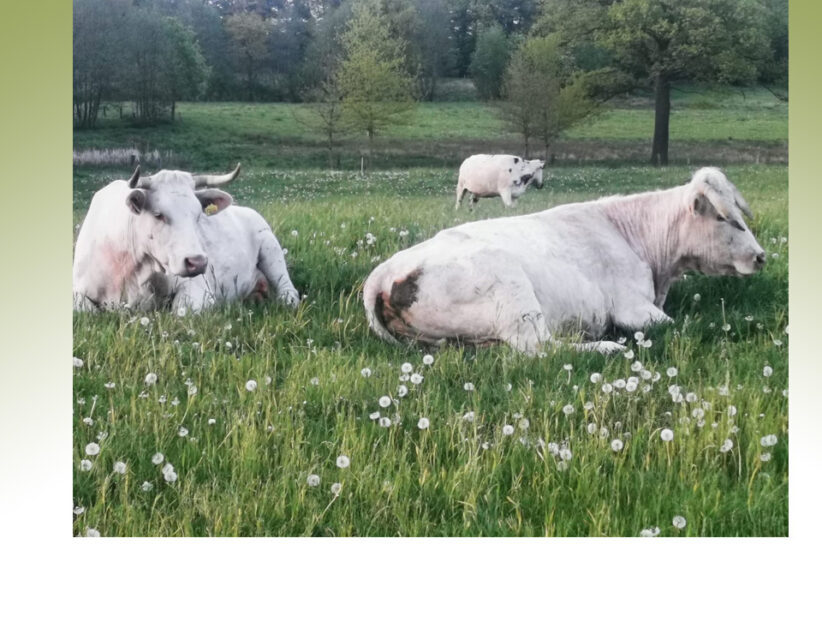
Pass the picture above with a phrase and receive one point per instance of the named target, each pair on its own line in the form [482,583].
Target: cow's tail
[374,300]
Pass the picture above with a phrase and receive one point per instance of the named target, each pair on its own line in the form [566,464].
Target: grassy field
[707,126]
[243,459]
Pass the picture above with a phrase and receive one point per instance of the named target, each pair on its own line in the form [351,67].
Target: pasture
[515,445]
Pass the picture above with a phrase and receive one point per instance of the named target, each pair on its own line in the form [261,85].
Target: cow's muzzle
[759,260]
[194,265]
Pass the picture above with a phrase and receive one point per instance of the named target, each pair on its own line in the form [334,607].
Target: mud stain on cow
[389,307]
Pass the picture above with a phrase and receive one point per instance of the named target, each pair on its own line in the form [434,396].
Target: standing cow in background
[577,268]
[148,240]
[503,175]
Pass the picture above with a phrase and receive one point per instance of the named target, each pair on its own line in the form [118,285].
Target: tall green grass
[242,467]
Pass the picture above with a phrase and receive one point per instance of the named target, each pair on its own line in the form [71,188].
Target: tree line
[362,64]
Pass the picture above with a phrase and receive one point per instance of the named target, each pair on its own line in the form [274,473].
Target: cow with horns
[578,268]
[174,237]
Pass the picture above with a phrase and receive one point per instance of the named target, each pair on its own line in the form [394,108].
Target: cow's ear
[216,197]
[701,205]
[137,200]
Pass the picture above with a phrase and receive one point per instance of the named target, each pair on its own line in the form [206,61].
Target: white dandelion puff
[592,428]
[336,488]
[416,378]
[468,417]
[727,445]
[565,453]
[92,532]
[120,467]
[366,372]
[679,522]
[524,424]
[731,410]
[78,363]
[385,401]
[616,445]
[667,435]
[672,372]
[562,466]
[767,371]
[406,368]
[181,311]
[402,391]
[313,480]
[568,409]
[150,379]
[423,423]
[385,421]
[192,390]
[636,366]
[157,458]
[603,432]
[607,388]
[170,476]
[92,449]
[85,465]
[768,441]
[596,377]
[639,336]
[315,381]
[507,430]
[428,360]
[144,321]
[182,432]
[251,385]
[343,461]
[146,486]
[764,457]
[88,421]
[468,387]
[628,354]
[567,367]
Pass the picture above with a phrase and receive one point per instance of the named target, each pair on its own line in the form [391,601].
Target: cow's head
[168,206]
[716,232]
[531,172]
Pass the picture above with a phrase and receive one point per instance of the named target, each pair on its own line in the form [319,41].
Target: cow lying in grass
[148,241]
[503,175]
[581,267]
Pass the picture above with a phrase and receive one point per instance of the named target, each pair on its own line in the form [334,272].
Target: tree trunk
[662,116]
[527,147]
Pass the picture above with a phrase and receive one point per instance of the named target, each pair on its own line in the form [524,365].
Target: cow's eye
[720,219]
[160,217]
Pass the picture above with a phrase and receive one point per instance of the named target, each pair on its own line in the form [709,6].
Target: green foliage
[376,89]
[489,62]
[542,97]
[248,33]
[246,472]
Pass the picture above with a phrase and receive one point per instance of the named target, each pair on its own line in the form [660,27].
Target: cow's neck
[651,224]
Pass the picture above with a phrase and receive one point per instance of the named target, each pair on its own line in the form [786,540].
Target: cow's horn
[207,180]
[742,204]
[132,182]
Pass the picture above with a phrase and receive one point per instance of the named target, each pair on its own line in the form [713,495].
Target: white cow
[580,267]
[147,240]
[503,175]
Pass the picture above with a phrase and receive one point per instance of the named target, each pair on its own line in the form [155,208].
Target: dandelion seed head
[768,441]
[468,387]
[507,430]
[667,435]
[120,467]
[732,410]
[402,391]
[251,385]
[616,445]
[146,486]
[92,532]
[469,417]
[596,377]
[423,423]
[764,457]
[313,480]
[568,409]
[92,449]
[336,488]
[603,432]
[407,368]
[524,424]
[607,388]
[315,381]
[567,367]
[591,428]
[679,522]
[428,360]
[416,378]
[170,476]
[366,372]
[565,453]
[77,363]
[343,461]
[182,432]
[767,371]
[85,465]
[727,445]
[384,401]
[672,372]
[385,421]
[157,458]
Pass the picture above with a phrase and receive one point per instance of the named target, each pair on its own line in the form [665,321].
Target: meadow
[253,420]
